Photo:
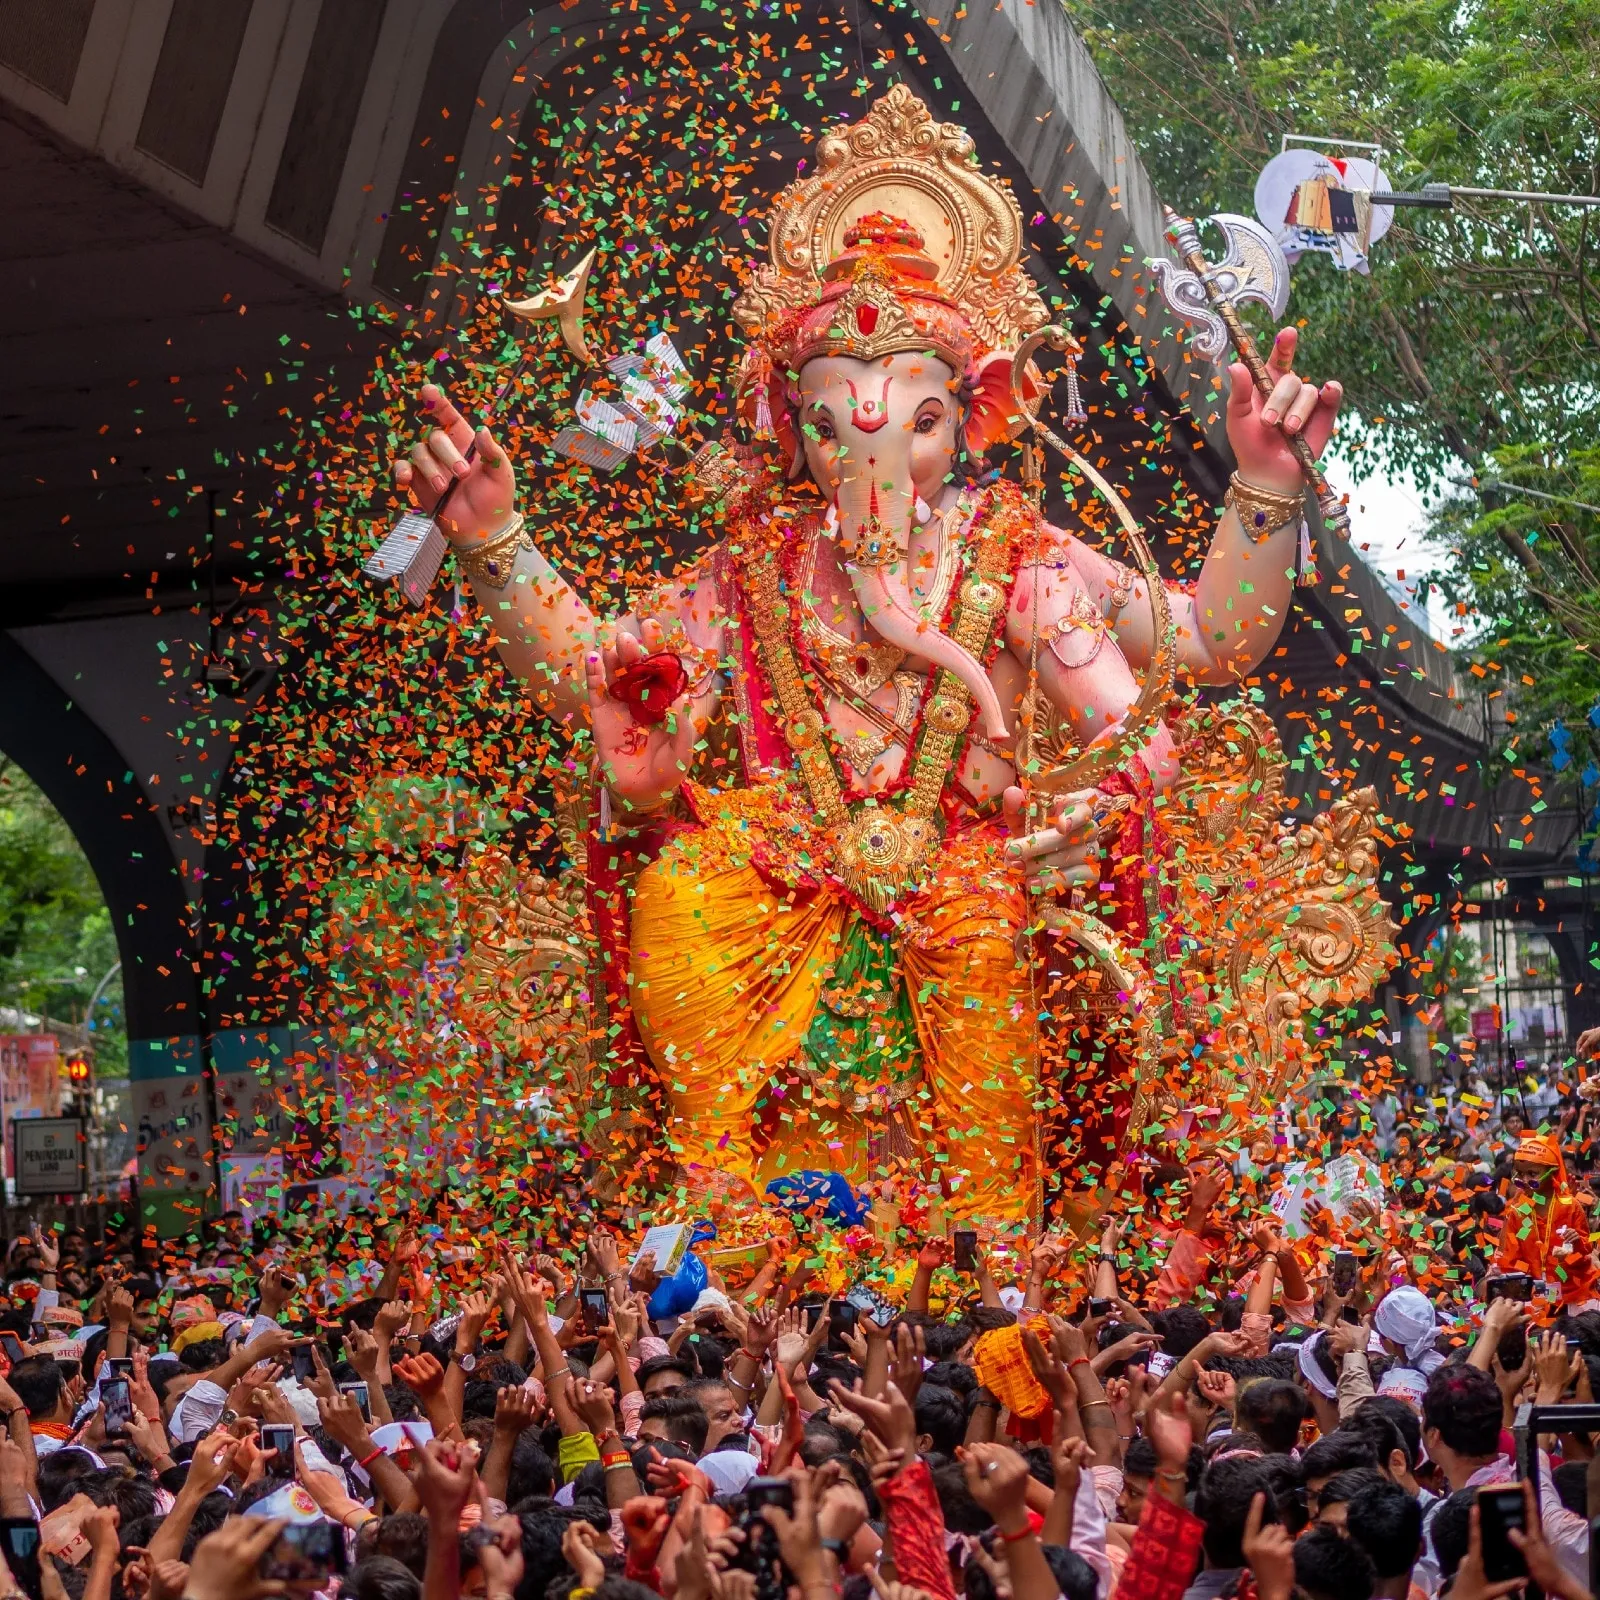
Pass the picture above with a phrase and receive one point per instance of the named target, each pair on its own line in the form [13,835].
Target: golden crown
[896,242]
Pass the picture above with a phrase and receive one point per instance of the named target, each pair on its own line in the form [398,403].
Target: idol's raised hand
[1260,426]
[641,762]
[482,506]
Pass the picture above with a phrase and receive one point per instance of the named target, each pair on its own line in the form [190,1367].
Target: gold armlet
[1262,511]
[493,562]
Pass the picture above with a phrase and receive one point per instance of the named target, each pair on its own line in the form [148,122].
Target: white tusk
[830,523]
[922,510]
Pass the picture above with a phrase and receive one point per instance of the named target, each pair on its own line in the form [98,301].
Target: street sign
[1486,1023]
[50,1156]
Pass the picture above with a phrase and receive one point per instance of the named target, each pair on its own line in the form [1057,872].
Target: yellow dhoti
[729,972]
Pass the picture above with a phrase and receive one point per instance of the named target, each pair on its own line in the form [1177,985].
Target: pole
[1183,231]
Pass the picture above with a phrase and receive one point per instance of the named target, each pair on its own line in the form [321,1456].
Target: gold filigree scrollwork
[1285,920]
[899,161]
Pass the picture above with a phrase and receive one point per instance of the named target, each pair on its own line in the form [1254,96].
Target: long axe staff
[1209,295]
[412,553]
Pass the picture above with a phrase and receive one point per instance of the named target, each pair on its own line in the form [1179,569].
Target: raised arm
[1242,596]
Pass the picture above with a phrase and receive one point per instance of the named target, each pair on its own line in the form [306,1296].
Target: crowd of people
[1191,1405]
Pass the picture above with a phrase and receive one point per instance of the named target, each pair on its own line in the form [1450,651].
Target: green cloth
[574,1453]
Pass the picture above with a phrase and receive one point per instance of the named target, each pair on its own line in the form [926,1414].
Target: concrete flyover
[199,188]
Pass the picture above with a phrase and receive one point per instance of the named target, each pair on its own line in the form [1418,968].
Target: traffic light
[80,1073]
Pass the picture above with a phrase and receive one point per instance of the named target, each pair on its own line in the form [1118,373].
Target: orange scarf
[51,1430]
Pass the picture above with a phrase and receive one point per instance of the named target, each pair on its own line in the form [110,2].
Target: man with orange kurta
[1546,1229]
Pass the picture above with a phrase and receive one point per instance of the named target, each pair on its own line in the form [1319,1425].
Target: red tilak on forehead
[870,415]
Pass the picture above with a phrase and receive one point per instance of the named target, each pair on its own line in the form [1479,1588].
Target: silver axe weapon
[1208,295]
[412,553]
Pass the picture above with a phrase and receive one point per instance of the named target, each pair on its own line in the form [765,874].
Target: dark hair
[1407,1423]
[1328,1566]
[403,1538]
[1223,1504]
[1449,1527]
[134,1497]
[1181,1329]
[1275,1409]
[1075,1578]
[1387,1523]
[941,1415]
[532,1471]
[941,1340]
[1463,1403]
[954,1375]
[37,1382]
[542,1532]
[686,1419]
[1338,1451]
[1288,1492]
[656,1365]
[962,1513]
[1344,1486]
[209,1515]
[60,1473]
[202,1355]
[1140,1458]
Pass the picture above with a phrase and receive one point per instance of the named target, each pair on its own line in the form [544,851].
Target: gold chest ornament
[880,847]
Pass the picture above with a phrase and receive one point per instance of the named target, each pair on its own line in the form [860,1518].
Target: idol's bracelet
[494,561]
[1261,511]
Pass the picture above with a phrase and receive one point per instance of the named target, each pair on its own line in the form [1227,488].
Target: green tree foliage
[1470,353]
[56,940]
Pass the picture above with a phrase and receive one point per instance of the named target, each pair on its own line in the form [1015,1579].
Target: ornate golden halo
[898,161]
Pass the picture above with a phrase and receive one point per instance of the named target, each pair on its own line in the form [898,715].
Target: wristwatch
[467,1362]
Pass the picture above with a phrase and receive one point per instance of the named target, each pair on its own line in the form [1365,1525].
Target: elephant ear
[764,409]
[996,415]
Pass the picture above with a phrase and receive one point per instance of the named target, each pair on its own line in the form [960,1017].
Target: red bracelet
[616,1458]
[1011,1538]
[366,1461]
[1079,1361]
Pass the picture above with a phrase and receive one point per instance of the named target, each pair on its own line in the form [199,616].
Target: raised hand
[422,1374]
[1260,426]
[361,1350]
[1269,1552]
[934,1253]
[392,1316]
[487,495]
[640,762]
[997,1478]
[445,1476]
[514,1410]
[890,1418]
[226,1564]
[582,1544]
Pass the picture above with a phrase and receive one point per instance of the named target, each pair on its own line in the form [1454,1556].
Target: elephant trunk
[876,536]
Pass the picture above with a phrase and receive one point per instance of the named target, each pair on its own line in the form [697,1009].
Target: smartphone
[596,1312]
[1512,1286]
[1349,1314]
[279,1436]
[358,1391]
[813,1310]
[759,1492]
[20,1537]
[842,1316]
[1500,1510]
[12,1346]
[966,1242]
[116,1404]
[304,1363]
[1159,1363]
[1100,1308]
[306,1552]
[119,1366]
[1346,1271]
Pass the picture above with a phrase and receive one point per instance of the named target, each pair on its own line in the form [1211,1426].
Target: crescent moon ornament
[563,302]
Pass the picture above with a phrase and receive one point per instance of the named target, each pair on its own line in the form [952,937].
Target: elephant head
[879,435]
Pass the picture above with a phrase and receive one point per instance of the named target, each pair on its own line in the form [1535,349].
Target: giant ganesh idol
[822,748]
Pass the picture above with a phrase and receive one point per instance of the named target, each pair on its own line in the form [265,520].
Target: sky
[1387,516]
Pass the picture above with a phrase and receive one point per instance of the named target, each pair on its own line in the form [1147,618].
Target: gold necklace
[862,666]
